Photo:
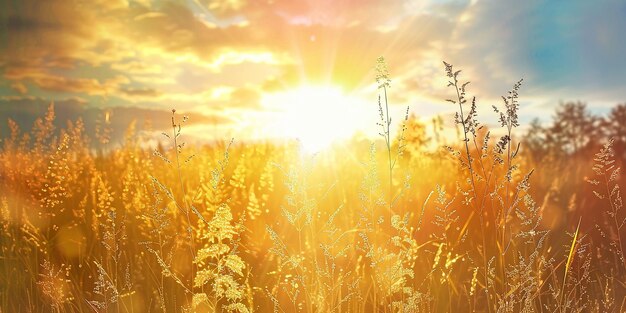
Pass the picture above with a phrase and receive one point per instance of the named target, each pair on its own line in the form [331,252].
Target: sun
[317,115]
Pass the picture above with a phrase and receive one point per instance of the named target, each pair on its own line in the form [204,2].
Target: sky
[302,69]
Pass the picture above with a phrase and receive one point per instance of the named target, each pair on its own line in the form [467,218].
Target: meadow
[523,221]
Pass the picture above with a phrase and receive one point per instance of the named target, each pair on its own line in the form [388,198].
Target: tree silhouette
[573,129]
[535,140]
[614,126]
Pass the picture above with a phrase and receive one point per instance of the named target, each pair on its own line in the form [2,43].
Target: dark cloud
[25,111]
[51,82]
[42,32]
[137,67]
[176,29]
[19,87]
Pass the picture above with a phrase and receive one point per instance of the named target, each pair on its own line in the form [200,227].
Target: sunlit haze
[317,115]
[247,69]
[312,156]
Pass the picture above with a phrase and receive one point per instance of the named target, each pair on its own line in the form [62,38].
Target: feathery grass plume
[213,190]
[103,129]
[57,180]
[55,285]
[219,267]
[299,205]
[448,238]
[159,241]
[111,282]
[383,82]
[406,296]
[105,287]
[470,125]
[514,285]
[313,271]
[391,260]
[183,206]
[606,187]
[371,200]
[238,179]
[508,119]
[43,131]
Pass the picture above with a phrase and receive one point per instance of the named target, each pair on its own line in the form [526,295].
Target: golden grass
[90,226]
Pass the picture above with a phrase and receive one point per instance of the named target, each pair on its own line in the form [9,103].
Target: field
[522,221]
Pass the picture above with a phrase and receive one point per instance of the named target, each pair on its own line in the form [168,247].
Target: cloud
[50,82]
[177,31]
[563,49]
[43,33]
[245,98]
[19,87]
[324,12]
[140,93]
[137,68]
[164,53]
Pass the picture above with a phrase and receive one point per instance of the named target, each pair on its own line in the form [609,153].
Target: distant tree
[614,126]
[573,128]
[535,140]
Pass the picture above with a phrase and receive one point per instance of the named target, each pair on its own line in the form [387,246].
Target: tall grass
[242,227]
